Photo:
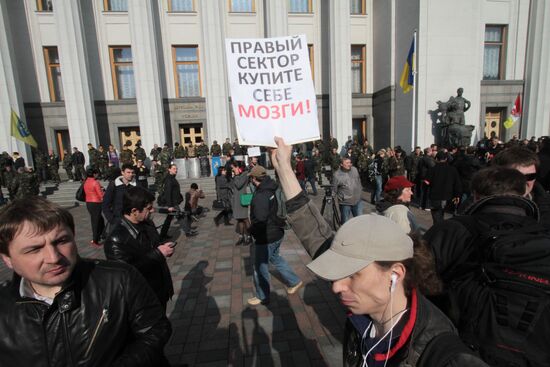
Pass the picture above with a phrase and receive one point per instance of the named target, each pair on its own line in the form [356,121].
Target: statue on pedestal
[451,128]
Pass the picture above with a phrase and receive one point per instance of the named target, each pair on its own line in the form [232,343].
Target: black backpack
[509,295]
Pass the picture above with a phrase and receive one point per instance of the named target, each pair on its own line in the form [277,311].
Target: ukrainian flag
[20,131]
[407,78]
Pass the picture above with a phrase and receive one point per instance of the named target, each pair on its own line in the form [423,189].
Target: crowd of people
[414,296]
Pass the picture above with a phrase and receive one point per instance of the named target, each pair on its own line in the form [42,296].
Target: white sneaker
[255,301]
[294,289]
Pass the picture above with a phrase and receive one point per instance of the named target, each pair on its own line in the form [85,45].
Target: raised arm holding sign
[271,90]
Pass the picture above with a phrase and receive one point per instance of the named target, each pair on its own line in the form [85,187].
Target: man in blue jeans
[268,232]
[346,183]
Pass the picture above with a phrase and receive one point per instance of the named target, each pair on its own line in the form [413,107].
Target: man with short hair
[112,201]
[135,241]
[171,198]
[492,256]
[526,162]
[78,163]
[268,233]
[346,183]
[62,310]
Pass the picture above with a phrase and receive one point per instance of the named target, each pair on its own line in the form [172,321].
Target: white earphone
[393,282]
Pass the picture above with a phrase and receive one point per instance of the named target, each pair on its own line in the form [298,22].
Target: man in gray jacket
[346,183]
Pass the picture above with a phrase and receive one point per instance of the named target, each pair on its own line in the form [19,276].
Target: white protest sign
[271,90]
[254,152]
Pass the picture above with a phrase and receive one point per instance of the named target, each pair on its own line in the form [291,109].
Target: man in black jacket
[135,241]
[444,183]
[172,198]
[78,162]
[112,201]
[475,295]
[268,232]
[61,310]
[526,162]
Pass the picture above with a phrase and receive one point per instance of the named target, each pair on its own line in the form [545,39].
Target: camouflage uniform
[155,154]
[127,156]
[53,168]
[192,151]
[202,152]
[318,161]
[226,148]
[68,165]
[140,154]
[180,152]
[93,158]
[159,173]
[334,161]
[8,177]
[102,161]
[334,143]
[215,150]
[25,184]
[40,165]
[363,167]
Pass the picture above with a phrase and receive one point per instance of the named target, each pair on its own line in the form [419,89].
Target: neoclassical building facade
[117,71]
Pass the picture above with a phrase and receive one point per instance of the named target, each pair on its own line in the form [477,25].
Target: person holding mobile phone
[136,241]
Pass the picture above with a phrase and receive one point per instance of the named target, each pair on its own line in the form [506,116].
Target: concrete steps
[64,193]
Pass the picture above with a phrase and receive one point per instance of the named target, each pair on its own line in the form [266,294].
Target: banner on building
[272,90]
[20,131]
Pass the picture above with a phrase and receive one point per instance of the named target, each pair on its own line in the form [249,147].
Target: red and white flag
[515,114]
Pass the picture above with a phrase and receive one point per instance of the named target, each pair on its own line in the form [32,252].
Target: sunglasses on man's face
[530,176]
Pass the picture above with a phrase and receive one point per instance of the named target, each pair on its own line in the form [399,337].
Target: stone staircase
[64,193]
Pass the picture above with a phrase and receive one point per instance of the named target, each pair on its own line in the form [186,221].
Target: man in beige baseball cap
[375,268]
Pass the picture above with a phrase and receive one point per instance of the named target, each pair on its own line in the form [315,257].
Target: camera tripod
[329,209]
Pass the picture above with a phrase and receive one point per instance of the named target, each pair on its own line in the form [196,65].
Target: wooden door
[129,135]
[493,122]
[191,133]
[62,140]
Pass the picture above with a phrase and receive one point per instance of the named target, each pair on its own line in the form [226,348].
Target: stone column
[536,115]
[340,71]
[75,75]
[213,64]
[276,18]
[143,33]
[9,83]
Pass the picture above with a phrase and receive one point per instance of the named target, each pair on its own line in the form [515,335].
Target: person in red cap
[395,205]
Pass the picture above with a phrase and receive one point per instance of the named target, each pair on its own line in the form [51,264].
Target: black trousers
[226,213]
[166,225]
[438,210]
[98,225]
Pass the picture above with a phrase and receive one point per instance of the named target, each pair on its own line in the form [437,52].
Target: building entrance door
[62,142]
[359,129]
[494,118]
[129,135]
[191,134]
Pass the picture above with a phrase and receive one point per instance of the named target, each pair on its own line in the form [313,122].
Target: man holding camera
[135,241]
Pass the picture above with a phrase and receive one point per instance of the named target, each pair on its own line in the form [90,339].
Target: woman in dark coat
[239,185]
[223,192]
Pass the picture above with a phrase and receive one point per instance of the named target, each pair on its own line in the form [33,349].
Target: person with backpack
[378,272]
[495,266]
[268,232]
[112,201]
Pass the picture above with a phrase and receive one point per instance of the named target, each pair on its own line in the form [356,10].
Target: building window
[311,60]
[123,72]
[44,5]
[115,5]
[242,6]
[358,69]
[54,74]
[357,7]
[186,69]
[300,6]
[182,6]
[495,52]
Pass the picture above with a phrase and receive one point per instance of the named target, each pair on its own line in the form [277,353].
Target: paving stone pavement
[212,323]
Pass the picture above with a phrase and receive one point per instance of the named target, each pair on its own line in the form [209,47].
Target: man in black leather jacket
[135,241]
[60,310]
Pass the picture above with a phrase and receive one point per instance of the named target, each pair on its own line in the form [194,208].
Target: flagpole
[413,133]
